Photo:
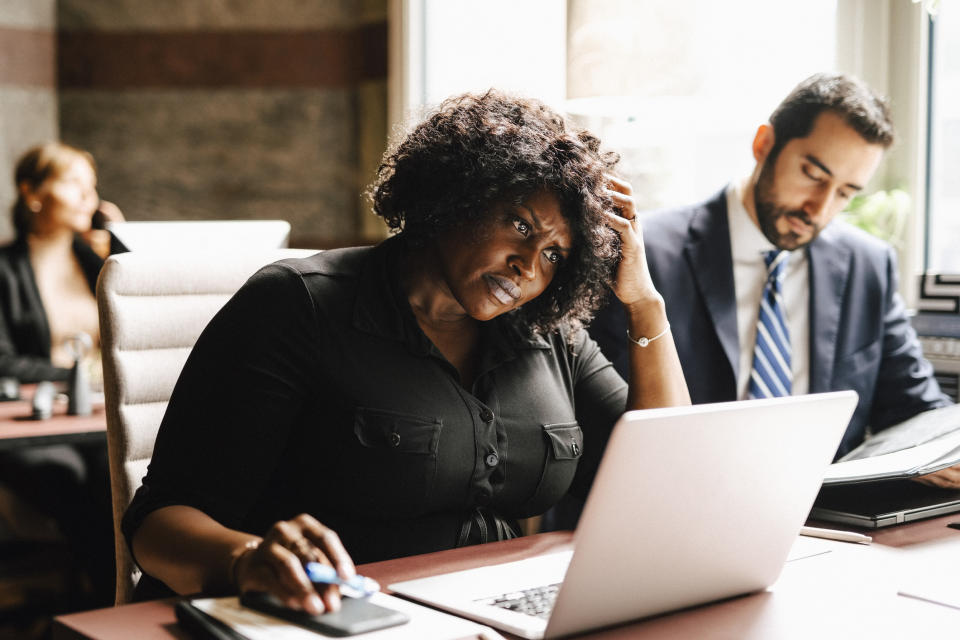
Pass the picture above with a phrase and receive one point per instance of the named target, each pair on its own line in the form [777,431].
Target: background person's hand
[110,212]
[948,478]
[632,282]
[276,564]
[97,237]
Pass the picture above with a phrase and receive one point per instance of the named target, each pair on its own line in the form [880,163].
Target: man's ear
[762,142]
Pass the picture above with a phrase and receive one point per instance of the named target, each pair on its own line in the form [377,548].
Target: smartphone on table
[356,615]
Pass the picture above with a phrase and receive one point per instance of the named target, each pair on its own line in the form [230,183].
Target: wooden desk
[17,430]
[850,592]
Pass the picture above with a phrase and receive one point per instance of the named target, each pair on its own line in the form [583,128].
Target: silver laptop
[689,505]
[873,505]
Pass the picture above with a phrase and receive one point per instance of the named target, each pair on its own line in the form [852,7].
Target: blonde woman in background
[49,272]
[48,278]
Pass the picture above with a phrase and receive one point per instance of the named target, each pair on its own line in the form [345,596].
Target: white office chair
[201,236]
[153,307]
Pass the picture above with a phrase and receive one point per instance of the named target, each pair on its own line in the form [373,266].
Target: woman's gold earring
[35,206]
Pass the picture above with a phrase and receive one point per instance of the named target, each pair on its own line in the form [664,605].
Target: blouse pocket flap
[402,432]
[566,440]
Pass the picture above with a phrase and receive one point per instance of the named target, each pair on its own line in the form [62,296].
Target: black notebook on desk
[880,504]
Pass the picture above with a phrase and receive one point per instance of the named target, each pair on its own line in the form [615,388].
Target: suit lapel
[829,266]
[708,253]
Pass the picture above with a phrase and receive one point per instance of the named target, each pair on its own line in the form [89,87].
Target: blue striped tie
[771,376]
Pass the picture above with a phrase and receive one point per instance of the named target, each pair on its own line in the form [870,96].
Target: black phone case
[356,615]
[200,626]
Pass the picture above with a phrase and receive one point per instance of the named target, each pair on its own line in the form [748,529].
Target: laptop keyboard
[536,602]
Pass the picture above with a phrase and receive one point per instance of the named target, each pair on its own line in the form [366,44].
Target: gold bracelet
[247,547]
[642,341]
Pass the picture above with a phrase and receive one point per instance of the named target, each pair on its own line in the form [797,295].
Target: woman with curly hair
[418,395]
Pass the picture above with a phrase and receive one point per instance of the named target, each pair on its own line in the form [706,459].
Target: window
[677,89]
[680,88]
[445,47]
[943,195]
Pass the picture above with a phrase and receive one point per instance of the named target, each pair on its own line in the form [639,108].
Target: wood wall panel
[199,59]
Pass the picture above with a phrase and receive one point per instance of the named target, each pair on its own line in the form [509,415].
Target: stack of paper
[923,444]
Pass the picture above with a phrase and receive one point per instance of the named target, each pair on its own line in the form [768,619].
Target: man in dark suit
[835,300]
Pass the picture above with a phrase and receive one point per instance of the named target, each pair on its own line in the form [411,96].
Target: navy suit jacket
[860,337]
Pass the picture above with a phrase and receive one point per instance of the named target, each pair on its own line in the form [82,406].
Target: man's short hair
[849,97]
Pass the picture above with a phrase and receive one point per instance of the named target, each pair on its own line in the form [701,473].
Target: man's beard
[769,212]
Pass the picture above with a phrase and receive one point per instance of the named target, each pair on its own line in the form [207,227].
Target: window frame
[886,43]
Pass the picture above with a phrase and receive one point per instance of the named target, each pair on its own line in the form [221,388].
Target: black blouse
[24,330]
[314,390]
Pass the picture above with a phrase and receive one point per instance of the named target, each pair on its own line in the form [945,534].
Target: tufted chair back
[153,307]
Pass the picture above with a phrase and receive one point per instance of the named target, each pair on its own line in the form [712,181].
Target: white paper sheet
[424,622]
[930,573]
[936,587]
[925,458]
[804,547]
[920,429]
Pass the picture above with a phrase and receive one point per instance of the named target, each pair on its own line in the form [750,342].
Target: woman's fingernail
[314,605]
[334,600]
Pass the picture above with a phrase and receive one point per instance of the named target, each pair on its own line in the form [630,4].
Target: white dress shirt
[747,246]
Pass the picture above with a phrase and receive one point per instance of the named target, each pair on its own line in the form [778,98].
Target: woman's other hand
[97,237]
[632,283]
[276,564]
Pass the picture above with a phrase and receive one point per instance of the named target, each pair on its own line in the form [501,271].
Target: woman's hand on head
[632,282]
[276,564]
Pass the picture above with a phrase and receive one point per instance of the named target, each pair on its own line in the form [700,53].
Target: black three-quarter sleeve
[231,413]
[600,398]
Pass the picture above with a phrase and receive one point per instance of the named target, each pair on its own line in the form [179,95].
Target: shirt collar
[378,309]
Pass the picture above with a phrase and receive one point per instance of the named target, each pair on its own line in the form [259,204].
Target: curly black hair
[477,152]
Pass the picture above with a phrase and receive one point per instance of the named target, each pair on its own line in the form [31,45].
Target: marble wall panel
[28,116]
[28,14]
[28,103]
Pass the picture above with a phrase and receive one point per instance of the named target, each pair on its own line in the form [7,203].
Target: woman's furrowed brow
[538,225]
[533,214]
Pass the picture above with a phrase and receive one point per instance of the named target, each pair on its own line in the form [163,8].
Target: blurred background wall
[28,96]
[206,109]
